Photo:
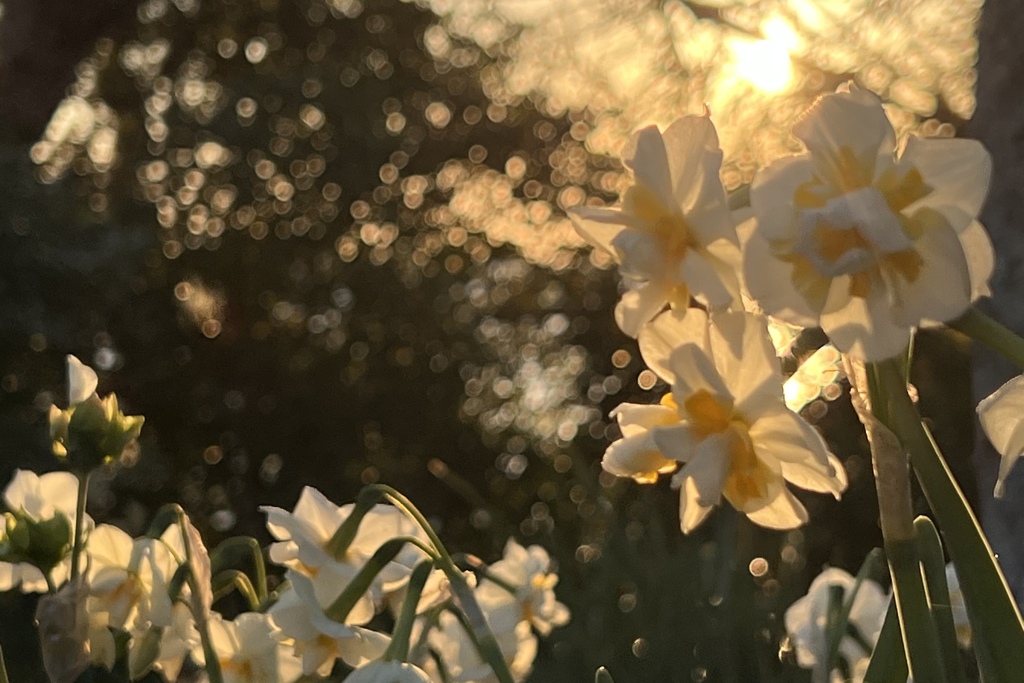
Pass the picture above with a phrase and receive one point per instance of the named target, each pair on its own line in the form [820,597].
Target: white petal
[82,381]
[942,289]
[981,259]
[668,331]
[693,372]
[863,327]
[691,511]
[772,196]
[676,442]
[637,457]
[695,159]
[854,121]
[956,170]
[744,356]
[646,156]
[785,436]
[704,281]
[783,512]
[640,305]
[598,226]
[1002,418]
[636,418]
[709,468]
[641,256]
[60,489]
[770,282]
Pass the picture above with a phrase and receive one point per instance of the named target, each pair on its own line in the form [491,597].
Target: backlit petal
[668,331]
[1002,418]
[640,305]
[956,170]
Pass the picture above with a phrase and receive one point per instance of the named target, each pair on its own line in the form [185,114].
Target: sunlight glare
[764,64]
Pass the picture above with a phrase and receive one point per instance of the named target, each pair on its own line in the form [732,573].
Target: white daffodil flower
[249,650]
[128,579]
[459,655]
[38,499]
[673,234]
[317,639]
[725,420]
[527,570]
[807,620]
[864,242]
[304,533]
[1002,418]
[388,672]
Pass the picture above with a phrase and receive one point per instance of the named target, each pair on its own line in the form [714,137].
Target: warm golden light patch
[765,64]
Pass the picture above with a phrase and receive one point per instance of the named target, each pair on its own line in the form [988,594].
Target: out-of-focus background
[324,242]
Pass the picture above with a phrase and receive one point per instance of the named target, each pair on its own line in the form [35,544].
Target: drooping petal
[1002,418]
[782,434]
[956,170]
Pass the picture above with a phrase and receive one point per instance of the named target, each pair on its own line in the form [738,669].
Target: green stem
[843,617]
[895,513]
[237,580]
[483,637]
[3,668]
[354,591]
[259,566]
[79,542]
[999,632]
[398,649]
[343,536]
[929,547]
[991,333]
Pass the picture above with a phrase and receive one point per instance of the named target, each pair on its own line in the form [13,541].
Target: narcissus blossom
[249,650]
[528,572]
[673,235]
[1002,418]
[807,623]
[725,421]
[864,240]
[304,533]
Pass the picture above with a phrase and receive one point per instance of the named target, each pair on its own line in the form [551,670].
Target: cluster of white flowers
[856,236]
[128,590]
[148,601]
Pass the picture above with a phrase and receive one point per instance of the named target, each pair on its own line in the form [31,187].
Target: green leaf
[888,661]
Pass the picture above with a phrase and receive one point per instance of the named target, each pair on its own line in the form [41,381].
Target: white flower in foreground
[1002,418]
[388,672]
[316,638]
[304,533]
[527,570]
[807,620]
[249,651]
[726,421]
[128,579]
[673,234]
[865,243]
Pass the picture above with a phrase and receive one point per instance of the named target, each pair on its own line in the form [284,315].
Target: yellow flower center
[748,477]
[667,225]
[828,249]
